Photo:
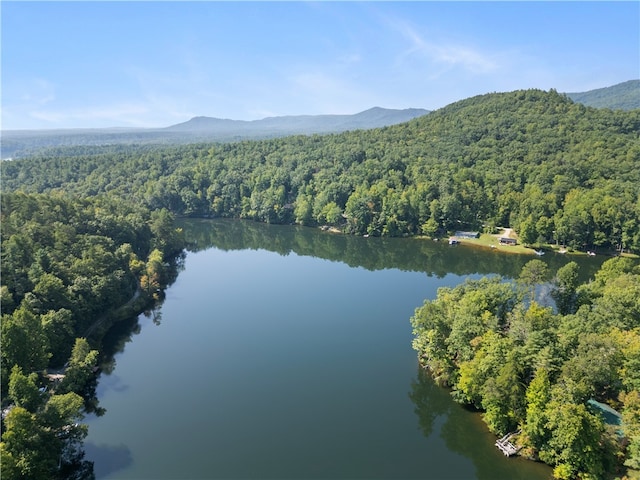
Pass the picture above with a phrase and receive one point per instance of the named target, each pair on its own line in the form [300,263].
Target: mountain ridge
[374,117]
[622,96]
[203,129]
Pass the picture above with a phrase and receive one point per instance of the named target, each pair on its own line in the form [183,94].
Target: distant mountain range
[299,124]
[18,143]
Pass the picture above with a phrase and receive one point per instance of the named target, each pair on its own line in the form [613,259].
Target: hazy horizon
[156,64]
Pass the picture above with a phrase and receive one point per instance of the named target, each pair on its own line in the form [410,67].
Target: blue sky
[154,64]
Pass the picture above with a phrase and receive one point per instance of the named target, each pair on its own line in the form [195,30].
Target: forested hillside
[554,170]
[86,230]
[624,96]
[541,374]
[70,269]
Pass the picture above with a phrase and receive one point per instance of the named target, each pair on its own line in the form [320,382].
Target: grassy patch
[492,242]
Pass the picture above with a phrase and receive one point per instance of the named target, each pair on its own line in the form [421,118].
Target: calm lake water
[285,353]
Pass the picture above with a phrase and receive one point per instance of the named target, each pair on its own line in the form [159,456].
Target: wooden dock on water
[506,446]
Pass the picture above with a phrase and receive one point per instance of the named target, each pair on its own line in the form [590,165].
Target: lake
[284,352]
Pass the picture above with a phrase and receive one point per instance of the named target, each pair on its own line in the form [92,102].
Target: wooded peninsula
[545,376]
[88,236]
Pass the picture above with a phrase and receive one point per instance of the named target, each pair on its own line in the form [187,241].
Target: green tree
[24,342]
[631,427]
[475,373]
[81,367]
[430,228]
[28,449]
[575,443]
[59,327]
[166,237]
[152,279]
[533,273]
[50,292]
[565,287]
[538,397]
[359,211]
[23,390]
[618,303]
[431,328]
[629,342]
[62,411]
[331,213]
[7,303]
[303,209]
[528,233]
[503,396]
[593,370]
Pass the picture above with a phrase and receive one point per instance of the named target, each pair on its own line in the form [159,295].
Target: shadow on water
[464,432]
[375,253]
[108,458]
[104,459]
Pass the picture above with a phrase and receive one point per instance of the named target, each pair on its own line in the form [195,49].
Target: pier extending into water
[506,446]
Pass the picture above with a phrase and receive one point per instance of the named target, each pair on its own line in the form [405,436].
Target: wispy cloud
[36,91]
[445,54]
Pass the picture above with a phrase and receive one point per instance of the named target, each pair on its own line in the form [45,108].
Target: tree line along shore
[86,230]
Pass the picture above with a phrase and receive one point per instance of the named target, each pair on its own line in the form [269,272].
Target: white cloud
[37,91]
[445,54]
[466,57]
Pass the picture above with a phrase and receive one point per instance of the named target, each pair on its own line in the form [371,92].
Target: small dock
[506,446]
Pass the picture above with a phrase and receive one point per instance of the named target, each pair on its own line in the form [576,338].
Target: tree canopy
[554,170]
[86,230]
[67,263]
[534,370]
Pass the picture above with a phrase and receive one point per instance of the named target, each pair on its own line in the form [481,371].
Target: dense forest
[88,238]
[554,170]
[545,375]
[624,96]
[70,269]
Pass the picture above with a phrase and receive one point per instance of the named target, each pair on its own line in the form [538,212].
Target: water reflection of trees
[112,342]
[409,254]
[112,458]
[464,432]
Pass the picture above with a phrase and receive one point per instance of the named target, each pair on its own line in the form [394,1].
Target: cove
[284,352]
